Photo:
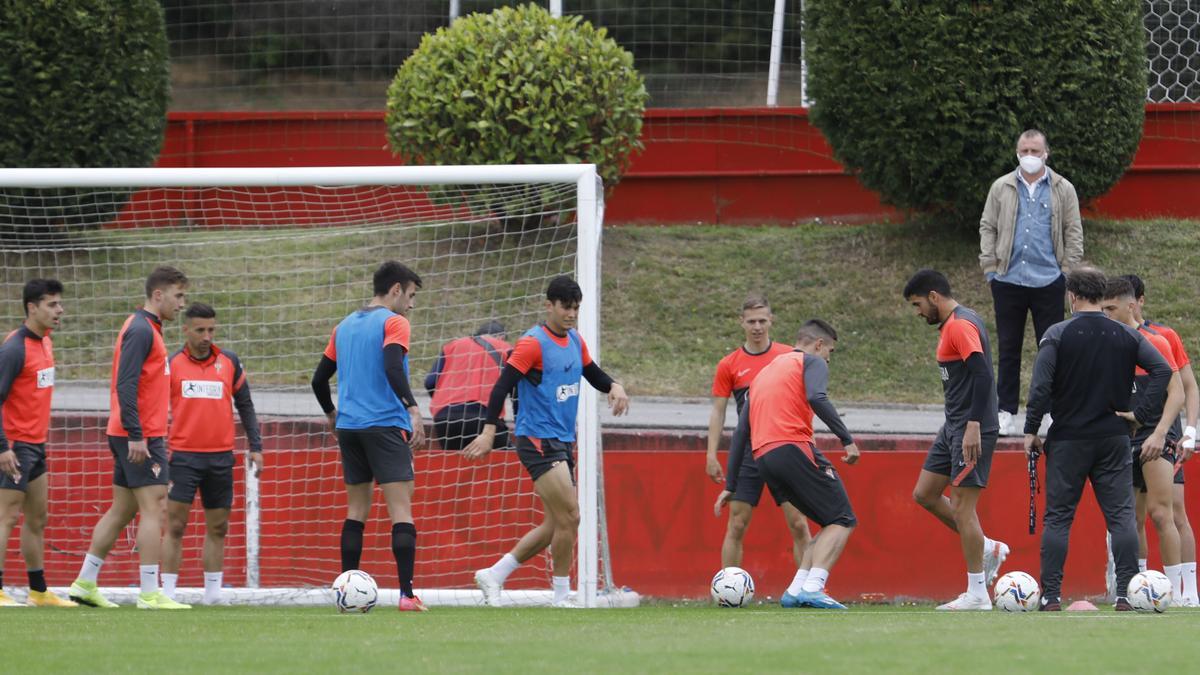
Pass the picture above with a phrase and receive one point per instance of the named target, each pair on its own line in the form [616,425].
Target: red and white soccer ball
[1150,591]
[1017,592]
[732,587]
[355,591]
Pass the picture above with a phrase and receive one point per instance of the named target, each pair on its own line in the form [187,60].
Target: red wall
[732,166]
[665,540]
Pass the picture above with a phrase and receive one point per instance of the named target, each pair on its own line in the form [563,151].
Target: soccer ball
[732,587]
[1150,591]
[355,591]
[1017,592]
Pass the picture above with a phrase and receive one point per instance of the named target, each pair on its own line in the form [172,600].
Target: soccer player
[376,420]
[26,387]
[776,425]
[206,383]
[1184,449]
[1084,373]
[461,380]
[734,374]
[545,367]
[961,455]
[1153,472]
[137,430]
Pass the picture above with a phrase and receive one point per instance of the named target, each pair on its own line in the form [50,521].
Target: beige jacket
[998,224]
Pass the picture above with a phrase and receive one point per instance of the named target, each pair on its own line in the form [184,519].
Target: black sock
[352,536]
[404,548]
[1,580]
[37,580]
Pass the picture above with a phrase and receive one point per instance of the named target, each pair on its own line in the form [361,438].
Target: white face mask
[1031,164]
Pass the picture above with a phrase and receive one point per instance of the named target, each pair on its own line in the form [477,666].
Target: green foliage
[925,100]
[518,86]
[83,83]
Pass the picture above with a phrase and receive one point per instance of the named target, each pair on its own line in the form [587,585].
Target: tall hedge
[518,86]
[924,101]
[83,83]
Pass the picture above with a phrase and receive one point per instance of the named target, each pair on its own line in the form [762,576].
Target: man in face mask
[1029,235]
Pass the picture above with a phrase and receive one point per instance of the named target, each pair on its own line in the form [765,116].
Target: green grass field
[658,638]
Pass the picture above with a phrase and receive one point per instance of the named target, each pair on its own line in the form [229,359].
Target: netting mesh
[282,266]
[1173,50]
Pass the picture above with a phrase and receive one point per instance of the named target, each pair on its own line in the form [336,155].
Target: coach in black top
[1084,376]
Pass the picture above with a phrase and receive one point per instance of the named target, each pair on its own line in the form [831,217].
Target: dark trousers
[1108,464]
[455,426]
[1013,303]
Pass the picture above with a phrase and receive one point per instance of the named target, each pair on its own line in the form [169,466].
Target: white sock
[149,575]
[504,567]
[1141,564]
[91,568]
[1175,574]
[1189,581]
[815,583]
[212,586]
[976,585]
[169,582]
[797,584]
[562,586]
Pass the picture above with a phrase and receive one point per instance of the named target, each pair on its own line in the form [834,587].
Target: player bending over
[545,368]
[776,425]
[743,485]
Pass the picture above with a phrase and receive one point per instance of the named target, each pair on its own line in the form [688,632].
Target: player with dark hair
[776,425]
[376,420]
[743,486]
[1084,373]
[461,380]
[1185,447]
[1153,471]
[26,387]
[137,430]
[961,455]
[545,367]
[207,382]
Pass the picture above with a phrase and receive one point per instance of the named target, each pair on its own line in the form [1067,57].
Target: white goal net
[283,255]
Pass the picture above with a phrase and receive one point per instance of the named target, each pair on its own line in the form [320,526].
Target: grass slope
[661,638]
[672,295]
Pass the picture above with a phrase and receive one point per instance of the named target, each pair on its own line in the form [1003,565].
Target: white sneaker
[1110,572]
[491,589]
[1189,602]
[993,559]
[1007,428]
[967,603]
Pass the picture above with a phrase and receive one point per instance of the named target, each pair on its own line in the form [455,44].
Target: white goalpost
[283,254]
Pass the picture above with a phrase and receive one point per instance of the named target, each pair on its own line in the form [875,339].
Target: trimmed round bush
[518,86]
[924,101]
[83,83]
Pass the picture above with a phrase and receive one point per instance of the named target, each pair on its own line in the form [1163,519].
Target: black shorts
[455,426]
[379,454]
[750,483]
[211,472]
[806,480]
[31,462]
[945,458]
[153,471]
[539,455]
[1179,476]
[1139,479]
